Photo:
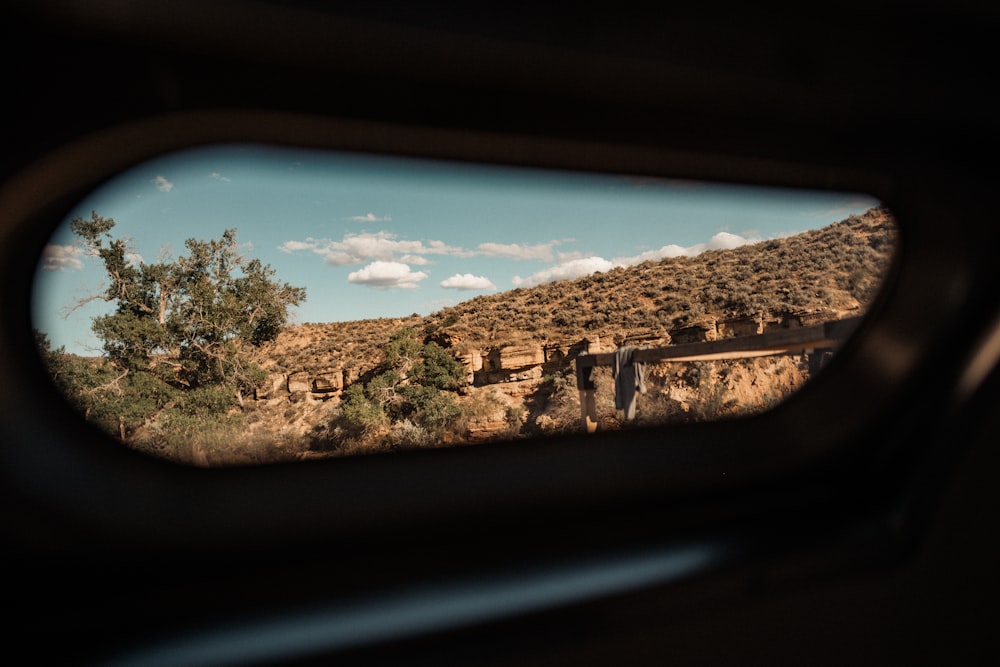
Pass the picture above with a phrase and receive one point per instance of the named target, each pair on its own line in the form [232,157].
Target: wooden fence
[813,340]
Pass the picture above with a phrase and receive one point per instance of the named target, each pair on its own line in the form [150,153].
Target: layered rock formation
[517,367]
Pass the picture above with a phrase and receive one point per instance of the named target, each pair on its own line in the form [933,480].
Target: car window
[243,304]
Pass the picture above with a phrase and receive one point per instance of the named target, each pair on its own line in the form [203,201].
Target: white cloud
[720,241]
[356,248]
[371,217]
[219,177]
[467,281]
[563,257]
[541,251]
[726,241]
[656,255]
[442,248]
[571,267]
[383,250]
[576,268]
[367,246]
[61,258]
[134,259]
[293,246]
[384,275]
[162,184]
[337,258]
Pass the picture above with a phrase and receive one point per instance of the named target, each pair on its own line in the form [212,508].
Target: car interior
[849,525]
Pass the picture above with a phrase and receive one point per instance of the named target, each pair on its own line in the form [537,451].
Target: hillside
[517,346]
[831,272]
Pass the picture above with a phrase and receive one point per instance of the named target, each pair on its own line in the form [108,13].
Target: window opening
[246,304]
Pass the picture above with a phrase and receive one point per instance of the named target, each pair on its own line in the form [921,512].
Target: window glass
[245,304]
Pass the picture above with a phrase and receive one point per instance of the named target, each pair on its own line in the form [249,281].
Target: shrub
[359,414]
[406,434]
[438,369]
[430,407]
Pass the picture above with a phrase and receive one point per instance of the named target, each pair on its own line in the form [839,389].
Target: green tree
[437,368]
[359,414]
[413,391]
[196,320]
[402,350]
[429,407]
[116,399]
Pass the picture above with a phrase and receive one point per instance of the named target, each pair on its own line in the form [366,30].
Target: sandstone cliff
[518,347]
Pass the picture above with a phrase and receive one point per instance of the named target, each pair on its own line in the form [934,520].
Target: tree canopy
[192,321]
[415,387]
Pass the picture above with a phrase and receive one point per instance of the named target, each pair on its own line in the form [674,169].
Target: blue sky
[371,236]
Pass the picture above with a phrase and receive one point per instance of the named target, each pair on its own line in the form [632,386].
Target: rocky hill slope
[517,346]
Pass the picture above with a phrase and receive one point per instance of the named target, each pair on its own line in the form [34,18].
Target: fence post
[588,400]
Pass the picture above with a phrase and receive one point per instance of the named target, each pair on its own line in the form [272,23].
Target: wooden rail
[818,337]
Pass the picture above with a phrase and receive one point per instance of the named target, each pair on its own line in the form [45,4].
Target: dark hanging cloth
[630,379]
[585,378]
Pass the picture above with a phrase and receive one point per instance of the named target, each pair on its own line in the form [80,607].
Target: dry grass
[835,271]
[837,268]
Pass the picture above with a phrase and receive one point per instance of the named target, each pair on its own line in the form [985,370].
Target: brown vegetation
[819,275]
[518,346]
[836,269]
